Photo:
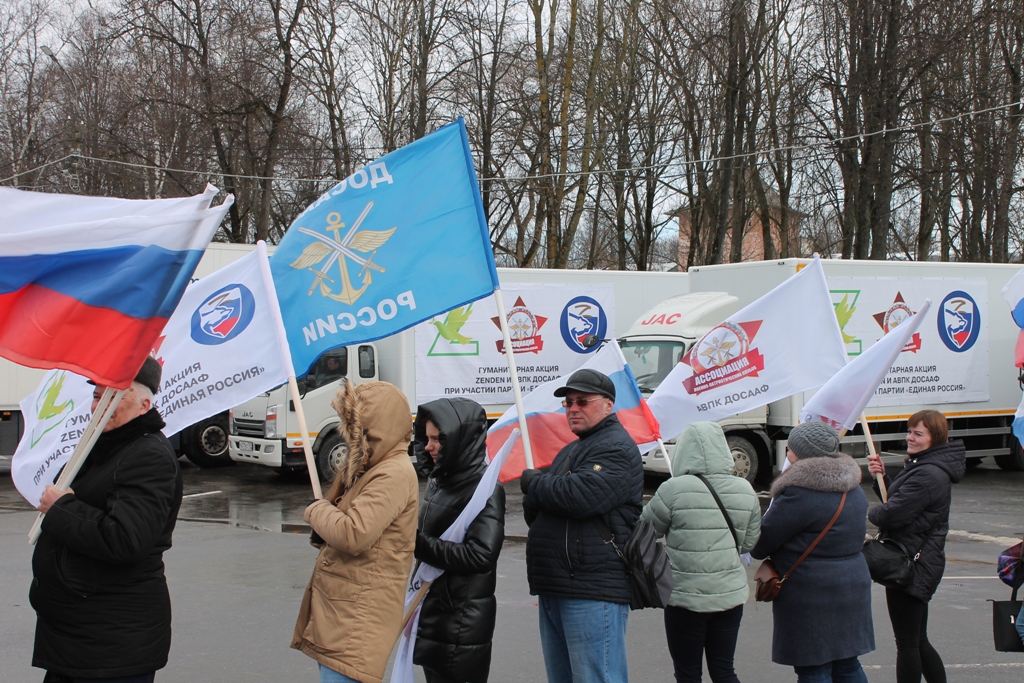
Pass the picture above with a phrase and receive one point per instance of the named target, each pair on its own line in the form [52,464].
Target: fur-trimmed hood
[832,475]
[375,422]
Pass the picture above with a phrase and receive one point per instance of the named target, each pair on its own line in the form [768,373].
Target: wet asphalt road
[241,561]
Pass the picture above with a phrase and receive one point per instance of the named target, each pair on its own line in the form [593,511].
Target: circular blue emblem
[959,321]
[581,318]
[223,316]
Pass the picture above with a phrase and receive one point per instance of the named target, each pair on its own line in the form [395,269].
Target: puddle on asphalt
[278,511]
[284,527]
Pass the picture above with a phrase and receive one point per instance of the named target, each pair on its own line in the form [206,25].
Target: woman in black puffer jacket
[453,643]
[917,515]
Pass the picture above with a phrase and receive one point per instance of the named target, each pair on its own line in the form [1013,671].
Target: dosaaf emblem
[523,329]
[897,314]
[335,248]
[722,356]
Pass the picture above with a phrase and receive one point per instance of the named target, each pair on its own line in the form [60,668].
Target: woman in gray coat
[822,616]
[709,579]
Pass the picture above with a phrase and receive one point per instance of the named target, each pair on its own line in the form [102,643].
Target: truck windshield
[651,362]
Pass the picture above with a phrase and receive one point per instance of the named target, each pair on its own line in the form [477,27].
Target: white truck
[205,443]
[264,430]
[960,362]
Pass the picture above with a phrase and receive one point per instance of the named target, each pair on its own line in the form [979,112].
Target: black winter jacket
[458,613]
[98,585]
[600,474]
[917,513]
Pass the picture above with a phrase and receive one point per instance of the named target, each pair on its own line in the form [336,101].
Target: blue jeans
[329,675]
[584,641]
[1020,624]
[839,671]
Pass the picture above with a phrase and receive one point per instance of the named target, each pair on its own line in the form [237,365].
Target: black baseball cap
[588,381]
[148,375]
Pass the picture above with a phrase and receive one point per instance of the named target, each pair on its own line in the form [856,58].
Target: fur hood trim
[831,475]
[346,403]
[375,423]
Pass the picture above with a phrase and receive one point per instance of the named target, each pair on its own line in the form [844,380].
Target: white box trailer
[264,430]
[205,440]
[960,362]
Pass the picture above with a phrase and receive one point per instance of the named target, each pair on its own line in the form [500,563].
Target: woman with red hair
[916,515]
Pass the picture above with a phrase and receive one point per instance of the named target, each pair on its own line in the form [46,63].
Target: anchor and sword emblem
[340,249]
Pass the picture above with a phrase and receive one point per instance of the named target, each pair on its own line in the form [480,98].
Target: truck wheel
[206,442]
[744,458]
[331,457]
[1014,462]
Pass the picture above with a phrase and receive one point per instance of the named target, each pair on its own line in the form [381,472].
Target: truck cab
[265,430]
[660,338]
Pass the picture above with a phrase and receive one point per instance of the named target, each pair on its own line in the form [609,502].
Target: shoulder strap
[728,519]
[842,502]
[608,536]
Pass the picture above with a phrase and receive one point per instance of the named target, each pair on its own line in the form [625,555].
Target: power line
[551,176]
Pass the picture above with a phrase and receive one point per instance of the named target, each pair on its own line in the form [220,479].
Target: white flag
[55,416]
[223,344]
[786,342]
[843,398]
[403,671]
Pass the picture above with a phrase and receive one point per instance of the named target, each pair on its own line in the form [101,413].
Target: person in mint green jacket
[708,575]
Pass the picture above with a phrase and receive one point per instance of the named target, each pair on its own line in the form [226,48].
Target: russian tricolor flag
[88,283]
[545,416]
[1013,293]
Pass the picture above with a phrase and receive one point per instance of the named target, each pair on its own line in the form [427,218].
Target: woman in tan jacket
[351,611]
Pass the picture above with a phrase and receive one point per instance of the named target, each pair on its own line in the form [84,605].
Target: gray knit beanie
[813,440]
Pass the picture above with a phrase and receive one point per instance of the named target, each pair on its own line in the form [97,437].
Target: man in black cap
[98,587]
[581,583]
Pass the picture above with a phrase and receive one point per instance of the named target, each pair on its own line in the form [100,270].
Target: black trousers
[434,677]
[915,656]
[692,636]
[51,677]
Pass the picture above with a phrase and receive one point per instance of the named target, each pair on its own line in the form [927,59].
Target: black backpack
[647,564]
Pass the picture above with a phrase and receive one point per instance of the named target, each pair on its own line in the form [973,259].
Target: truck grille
[249,428]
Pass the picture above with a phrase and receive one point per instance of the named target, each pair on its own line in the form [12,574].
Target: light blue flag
[395,243]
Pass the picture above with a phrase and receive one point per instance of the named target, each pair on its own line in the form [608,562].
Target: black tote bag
[1004,624]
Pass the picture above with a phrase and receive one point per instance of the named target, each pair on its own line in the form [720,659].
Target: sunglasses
[581,402]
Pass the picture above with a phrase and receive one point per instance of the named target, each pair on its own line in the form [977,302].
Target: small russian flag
[545,416]
[88,283]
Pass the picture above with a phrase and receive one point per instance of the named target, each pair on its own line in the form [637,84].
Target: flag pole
[879,477]
[104,411]
[307,448]
[293,387]
[664,452]
[420,594]
[514,373]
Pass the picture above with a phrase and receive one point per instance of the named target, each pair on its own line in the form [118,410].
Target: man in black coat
[98,588]
[581,584]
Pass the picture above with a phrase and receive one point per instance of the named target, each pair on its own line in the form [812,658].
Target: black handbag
[889,562]
[647,564]
[1004,624]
